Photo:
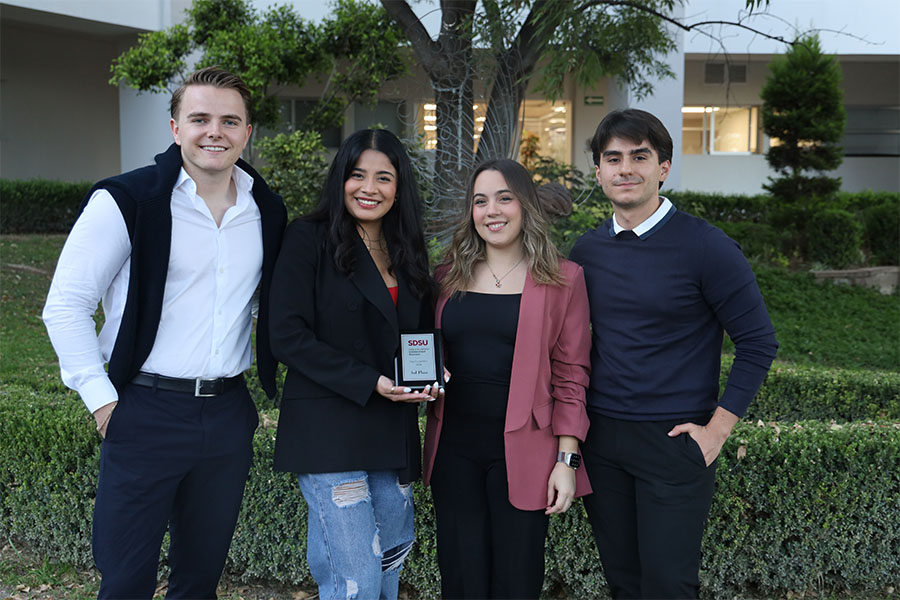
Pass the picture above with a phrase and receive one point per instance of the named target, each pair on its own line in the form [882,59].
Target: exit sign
[593,100]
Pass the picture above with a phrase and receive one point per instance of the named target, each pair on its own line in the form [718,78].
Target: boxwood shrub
[834,238]
[803,507]
[882,225]
[801,392]
[40,205]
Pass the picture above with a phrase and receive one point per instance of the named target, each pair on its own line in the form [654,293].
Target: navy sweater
[659,304]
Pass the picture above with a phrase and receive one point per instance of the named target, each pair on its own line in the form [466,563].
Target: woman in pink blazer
[501,447]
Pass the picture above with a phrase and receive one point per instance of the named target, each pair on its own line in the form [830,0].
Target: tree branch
[673,21]
[427,50]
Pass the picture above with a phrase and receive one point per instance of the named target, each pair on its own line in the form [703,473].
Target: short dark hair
[401,226]
[215,77]
[636,126]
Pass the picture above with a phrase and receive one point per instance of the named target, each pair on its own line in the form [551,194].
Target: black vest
[144,198]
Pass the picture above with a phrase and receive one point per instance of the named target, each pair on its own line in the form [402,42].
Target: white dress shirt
[204,328]
[650,222]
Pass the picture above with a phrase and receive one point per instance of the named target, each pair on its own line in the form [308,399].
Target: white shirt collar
[650,222]
[243,182]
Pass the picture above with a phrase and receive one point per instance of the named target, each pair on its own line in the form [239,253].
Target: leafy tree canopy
[357,48]
[504,44]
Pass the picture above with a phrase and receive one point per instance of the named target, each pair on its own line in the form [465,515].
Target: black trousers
[651,499]
[174,461]
[487,548]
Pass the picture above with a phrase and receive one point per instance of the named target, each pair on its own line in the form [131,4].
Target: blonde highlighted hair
[467,247]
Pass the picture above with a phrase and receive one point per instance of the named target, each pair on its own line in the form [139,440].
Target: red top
[393,291]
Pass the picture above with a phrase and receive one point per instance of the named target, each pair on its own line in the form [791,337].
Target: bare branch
[673,21]
[427,50]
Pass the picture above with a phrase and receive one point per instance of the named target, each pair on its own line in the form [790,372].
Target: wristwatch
[570,459]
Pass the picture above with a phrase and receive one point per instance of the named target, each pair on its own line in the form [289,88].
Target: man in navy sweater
[663,285]
[178,251]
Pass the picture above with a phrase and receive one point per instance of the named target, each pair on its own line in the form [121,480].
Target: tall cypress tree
[804,111]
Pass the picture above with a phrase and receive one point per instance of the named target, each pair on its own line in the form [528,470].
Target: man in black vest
[179,252]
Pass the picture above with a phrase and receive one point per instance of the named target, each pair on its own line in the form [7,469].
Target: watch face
[574,461]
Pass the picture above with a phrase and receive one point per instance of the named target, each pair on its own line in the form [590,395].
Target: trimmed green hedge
[802,507]
[729,208]
[40,205]
[799,392]
[883,232]
[758,240]
[834,238]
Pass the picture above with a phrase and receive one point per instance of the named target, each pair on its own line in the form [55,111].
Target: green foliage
[822,323]
[806,506]
[40,205]
[27,356]
[586,215]
[365,39]
[294,166]
[589,41]
[803,392]
[729,208]
[803,109]
[270,50]
[50,455]
[811,507]
[758,241]
[158,58]
[834,237]
[883,233]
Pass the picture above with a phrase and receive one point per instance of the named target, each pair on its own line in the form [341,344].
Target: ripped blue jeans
[360,531]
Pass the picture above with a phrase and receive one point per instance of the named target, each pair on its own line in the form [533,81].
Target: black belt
[199,387]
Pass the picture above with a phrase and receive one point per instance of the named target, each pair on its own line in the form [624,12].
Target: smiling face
[212,129]
[630,174]
[370,190]
[496,211]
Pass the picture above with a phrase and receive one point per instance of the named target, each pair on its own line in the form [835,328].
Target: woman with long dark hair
[501,449]
[349,278]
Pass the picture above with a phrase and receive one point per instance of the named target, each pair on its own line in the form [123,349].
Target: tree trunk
[454,154]
[500,136]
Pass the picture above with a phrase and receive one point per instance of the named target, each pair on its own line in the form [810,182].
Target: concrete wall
[745,174]
[59,118]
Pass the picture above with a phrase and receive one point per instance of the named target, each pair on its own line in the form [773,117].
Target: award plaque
[420,360]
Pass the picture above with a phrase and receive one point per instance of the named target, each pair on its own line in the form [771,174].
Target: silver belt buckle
[198,383]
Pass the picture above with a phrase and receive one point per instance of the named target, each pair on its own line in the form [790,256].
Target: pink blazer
[550,371]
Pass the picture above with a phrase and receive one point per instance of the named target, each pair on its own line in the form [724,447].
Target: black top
[479,332]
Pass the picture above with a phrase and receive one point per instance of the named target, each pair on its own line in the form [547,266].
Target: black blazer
[337,335]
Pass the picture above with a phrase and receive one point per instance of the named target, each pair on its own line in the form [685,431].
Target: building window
[550,123]
[719,73]
[720,130]
[872,131]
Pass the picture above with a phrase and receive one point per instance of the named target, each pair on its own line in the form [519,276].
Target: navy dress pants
[651,499]
[170,460]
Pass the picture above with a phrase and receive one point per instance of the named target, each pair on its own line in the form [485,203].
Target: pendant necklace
[497,280]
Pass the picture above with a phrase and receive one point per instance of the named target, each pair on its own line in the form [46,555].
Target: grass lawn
[26,267]
[831,325]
